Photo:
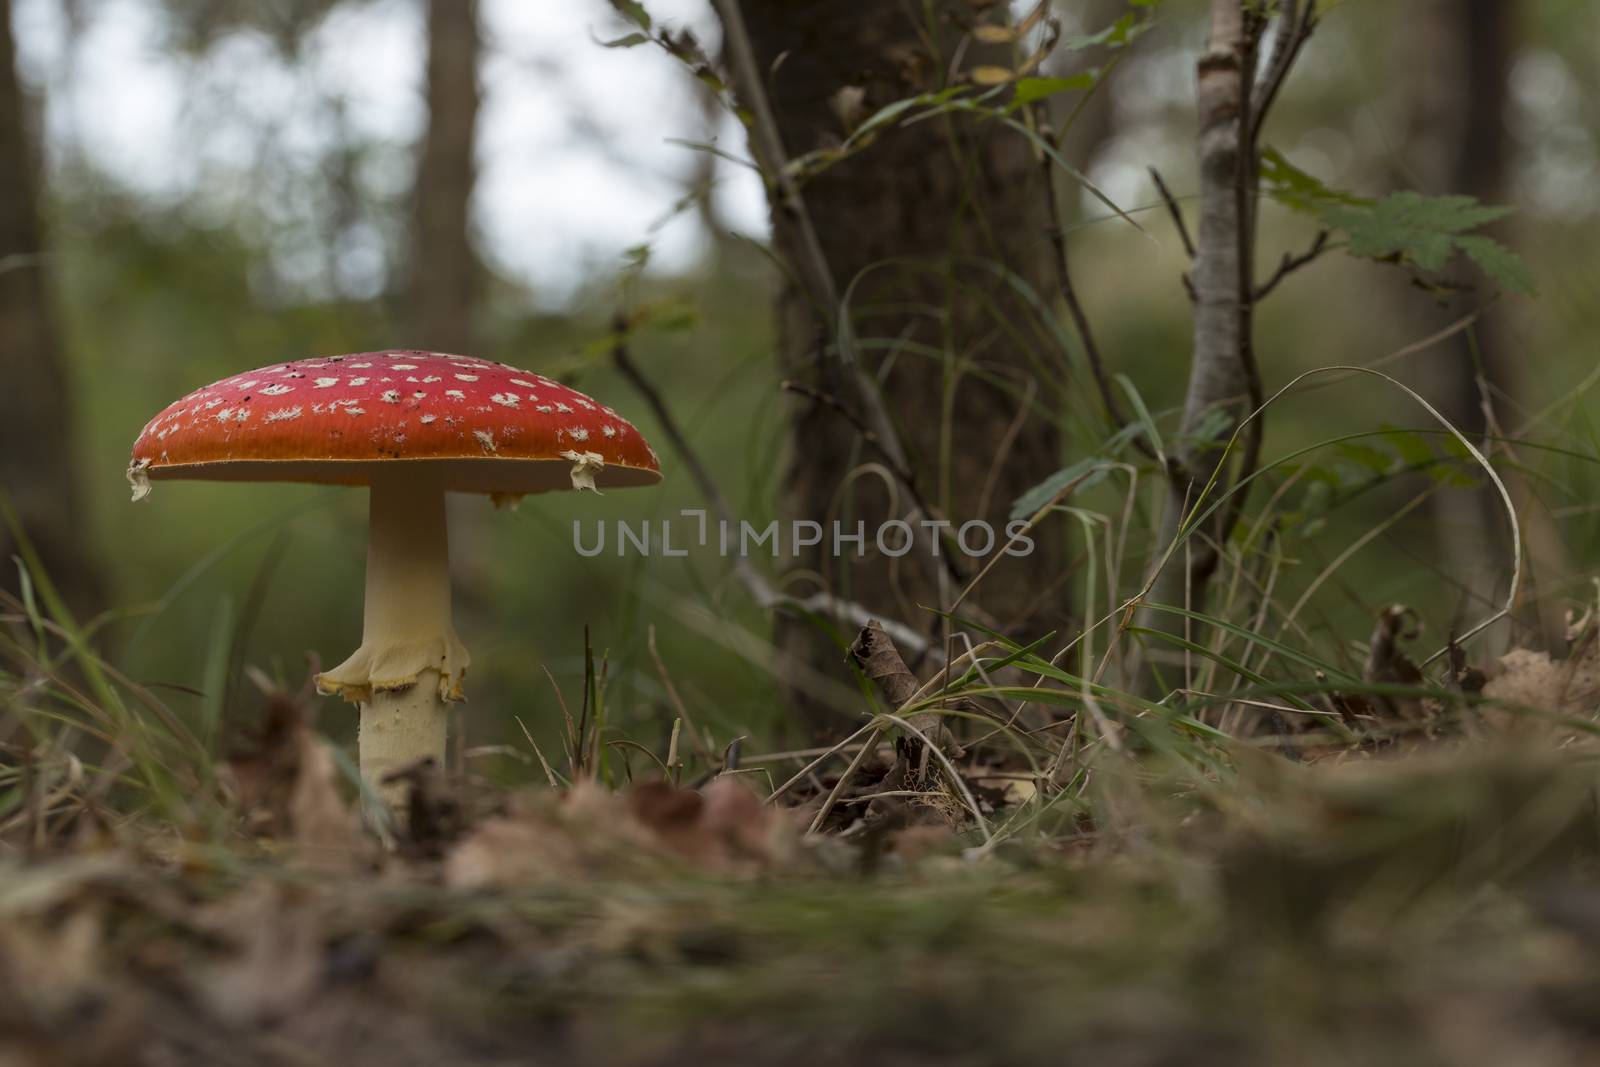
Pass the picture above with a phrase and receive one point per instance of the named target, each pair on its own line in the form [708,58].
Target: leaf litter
[1444,901]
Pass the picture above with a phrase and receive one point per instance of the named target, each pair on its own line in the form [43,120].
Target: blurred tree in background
[934,239]
[444,268]
[39,434]
[1454,82]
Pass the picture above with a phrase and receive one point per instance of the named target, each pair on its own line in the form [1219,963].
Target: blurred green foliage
[159,298]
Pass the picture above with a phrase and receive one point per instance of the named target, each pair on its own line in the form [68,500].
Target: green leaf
[1146,422]
[1119,34]
[628,41]
[1409,226]
[1413,448]
[1372,459]
[1216,657]
[1029,90]
[1215,423]
[1502,265]
[1044,145]
[889,112]
[1297,190]
[634,12]
[1084,473]
[1421,232]
[672,315]
[636,257]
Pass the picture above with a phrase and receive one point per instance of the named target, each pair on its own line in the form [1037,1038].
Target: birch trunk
[1219,370]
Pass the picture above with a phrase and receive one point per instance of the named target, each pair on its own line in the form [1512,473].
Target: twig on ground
[805,771]
[843,782]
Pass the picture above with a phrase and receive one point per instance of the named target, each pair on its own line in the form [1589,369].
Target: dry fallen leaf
[1534,680]
[724,827]
[287,783]
[1388,665]
[276,958]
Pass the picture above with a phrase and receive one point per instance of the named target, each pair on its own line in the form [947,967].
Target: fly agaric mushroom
[410,426]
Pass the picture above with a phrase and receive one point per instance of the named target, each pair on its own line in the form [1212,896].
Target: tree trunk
[1459,56]
[1219,370]
[38,444]
[909,230]
[445,268]
[446,274]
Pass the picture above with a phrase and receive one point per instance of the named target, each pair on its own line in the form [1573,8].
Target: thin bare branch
[904,474]
[1295,23]
[1069,295]
[1246,165]
[1173,210]
[755,583]
[1291,263]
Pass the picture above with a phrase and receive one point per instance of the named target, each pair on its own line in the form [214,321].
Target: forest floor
[1433,897]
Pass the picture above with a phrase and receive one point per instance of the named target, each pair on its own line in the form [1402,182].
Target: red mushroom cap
[489,427]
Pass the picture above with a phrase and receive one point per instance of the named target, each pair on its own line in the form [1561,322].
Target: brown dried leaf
[991,75]
[1387,665]
[724,827]
[1532,679]
[510,850]
[874,652]
[288,786]
[548,838]
[276,960]
[58,1005]
[324,829]
[990,34]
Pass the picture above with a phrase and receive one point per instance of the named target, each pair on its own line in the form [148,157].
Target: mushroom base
[399,726]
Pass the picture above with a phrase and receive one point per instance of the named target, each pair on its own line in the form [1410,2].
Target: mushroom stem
[407,601]
[408,562]
[410,663]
